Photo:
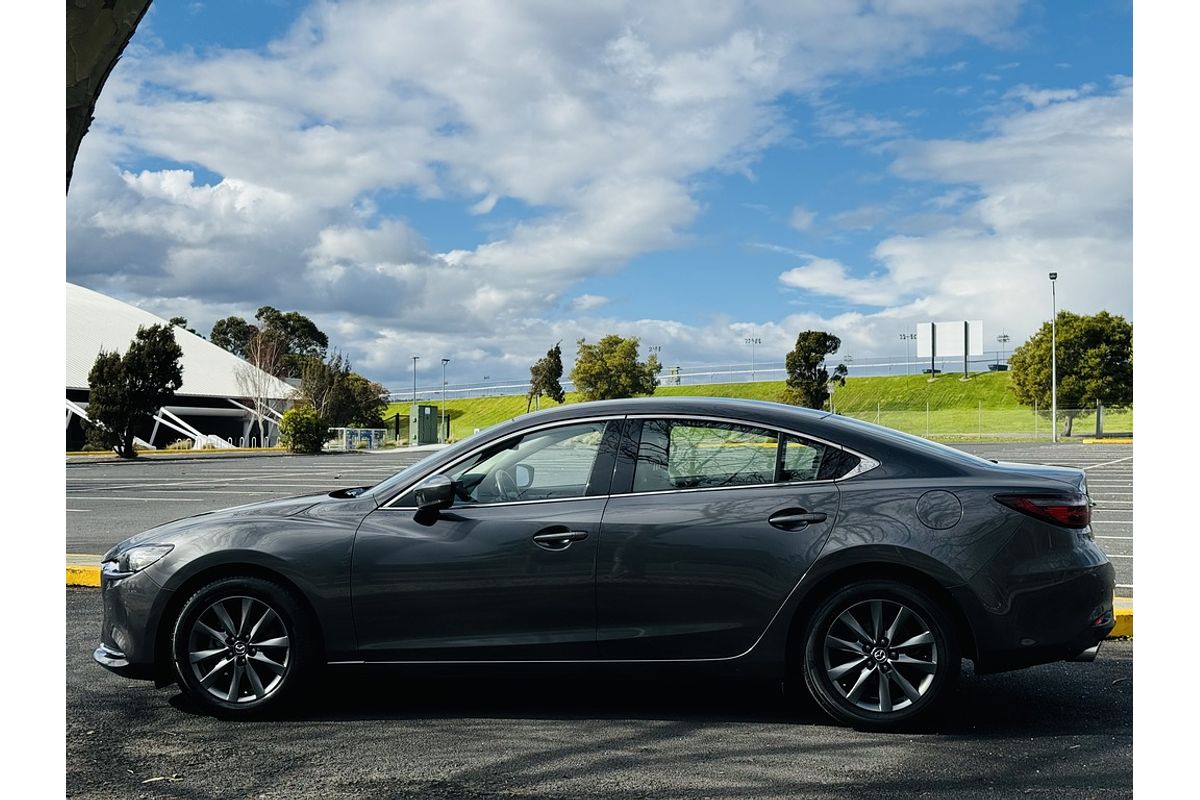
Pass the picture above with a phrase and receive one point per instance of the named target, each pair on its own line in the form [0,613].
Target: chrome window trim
[556,424]
[865,463]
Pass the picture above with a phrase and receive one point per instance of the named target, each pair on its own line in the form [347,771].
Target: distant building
[210,403]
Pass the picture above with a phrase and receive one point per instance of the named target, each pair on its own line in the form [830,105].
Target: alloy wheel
[239,649]
[880,655]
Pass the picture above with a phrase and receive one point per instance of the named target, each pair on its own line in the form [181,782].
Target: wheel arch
[163,674]
[845,574]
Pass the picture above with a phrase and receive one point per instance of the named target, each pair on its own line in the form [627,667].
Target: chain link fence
[999,424]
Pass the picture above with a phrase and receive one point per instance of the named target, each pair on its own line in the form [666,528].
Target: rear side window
[693,454]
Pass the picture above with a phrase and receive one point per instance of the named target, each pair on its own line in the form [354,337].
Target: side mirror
[524,476]
[435,492]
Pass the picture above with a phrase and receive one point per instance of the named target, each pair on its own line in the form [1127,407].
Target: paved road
[1061,731]
[107,502]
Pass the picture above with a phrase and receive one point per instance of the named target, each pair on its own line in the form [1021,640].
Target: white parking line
[1125,538]
[150,499]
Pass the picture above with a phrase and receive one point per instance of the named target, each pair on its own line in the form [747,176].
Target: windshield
[910,441]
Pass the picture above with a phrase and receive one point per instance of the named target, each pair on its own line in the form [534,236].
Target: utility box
[423,424]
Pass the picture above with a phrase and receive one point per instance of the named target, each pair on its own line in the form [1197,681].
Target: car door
[507,572]
[710,526]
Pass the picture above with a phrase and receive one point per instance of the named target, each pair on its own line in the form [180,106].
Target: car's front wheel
[880,654]
[241,645]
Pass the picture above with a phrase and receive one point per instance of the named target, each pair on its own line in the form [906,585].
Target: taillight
[1071,510]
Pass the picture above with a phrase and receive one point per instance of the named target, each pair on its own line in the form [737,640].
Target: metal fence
[981,424]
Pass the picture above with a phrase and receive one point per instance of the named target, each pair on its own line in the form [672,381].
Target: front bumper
[133,605]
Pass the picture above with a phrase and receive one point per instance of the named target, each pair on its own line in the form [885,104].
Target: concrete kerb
[88,574]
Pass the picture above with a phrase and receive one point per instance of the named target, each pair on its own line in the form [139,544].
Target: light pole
[1053,359]
[753,367]
[1002,339]
[907,337]
[414,358]
[441,433]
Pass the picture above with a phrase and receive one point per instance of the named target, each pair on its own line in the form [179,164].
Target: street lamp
[441,434]
[752,342]
[1003,340]
[907,337]
[1053,359]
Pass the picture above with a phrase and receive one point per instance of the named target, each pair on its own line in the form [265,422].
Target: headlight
[138,558]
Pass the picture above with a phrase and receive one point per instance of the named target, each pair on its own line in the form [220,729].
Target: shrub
[302,431]
[180,444]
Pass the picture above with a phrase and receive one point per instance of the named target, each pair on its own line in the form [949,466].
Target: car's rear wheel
[880,654]
[241,645]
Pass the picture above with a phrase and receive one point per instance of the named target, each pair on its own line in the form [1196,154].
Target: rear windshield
[909,441]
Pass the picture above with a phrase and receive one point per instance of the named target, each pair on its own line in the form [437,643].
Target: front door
[507,572]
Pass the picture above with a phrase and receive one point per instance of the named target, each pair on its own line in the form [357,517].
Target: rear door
[710,526]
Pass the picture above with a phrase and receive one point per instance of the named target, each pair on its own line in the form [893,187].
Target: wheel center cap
[239,648]
[879,654]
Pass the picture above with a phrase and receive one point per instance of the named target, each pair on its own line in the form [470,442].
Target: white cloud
[586,302]
[802,219]
[825,276]
[595,119]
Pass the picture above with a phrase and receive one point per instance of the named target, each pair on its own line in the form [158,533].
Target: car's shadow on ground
[1045,701]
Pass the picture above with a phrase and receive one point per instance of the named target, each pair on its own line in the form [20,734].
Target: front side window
[548,464]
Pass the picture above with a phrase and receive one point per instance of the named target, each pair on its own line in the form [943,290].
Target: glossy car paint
[677,575]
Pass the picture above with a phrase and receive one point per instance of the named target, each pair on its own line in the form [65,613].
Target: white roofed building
[211,404]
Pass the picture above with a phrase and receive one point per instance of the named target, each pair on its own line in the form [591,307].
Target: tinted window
[547,464]
[686,454]
[812,461]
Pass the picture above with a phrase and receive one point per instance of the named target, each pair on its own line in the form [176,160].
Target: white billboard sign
[950,339]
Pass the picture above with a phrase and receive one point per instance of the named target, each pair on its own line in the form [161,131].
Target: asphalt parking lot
[108,501]
[1060,730]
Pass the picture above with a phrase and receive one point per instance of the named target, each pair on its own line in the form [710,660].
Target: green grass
[947,408]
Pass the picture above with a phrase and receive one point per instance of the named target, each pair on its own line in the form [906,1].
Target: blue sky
[479,180]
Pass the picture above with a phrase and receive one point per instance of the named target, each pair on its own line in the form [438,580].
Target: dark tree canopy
[1095,365]
[182,322]
[610,369]
[302,340]
[232,334]
[545,377]
[341,397]
[807,379]
[126,391]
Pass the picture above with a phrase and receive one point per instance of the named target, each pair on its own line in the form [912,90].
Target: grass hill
[948,408]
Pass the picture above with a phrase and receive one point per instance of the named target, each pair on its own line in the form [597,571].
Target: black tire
[270,652]
[912,680]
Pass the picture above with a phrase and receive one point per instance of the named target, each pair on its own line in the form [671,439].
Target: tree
[1095,365]
[181,322]
[302,431]
[256,378]
[367,402]
[324,387]
[302,340]
[126,391]
[807,379]
[232,334]
[545,377]
[97,32]
[610,369]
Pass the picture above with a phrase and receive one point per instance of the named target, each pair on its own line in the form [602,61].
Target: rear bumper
[1060,616]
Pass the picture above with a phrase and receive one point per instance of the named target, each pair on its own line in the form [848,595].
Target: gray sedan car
[751,537]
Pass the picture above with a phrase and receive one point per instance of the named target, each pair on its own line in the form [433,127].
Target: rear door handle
[558,540]
[794,519]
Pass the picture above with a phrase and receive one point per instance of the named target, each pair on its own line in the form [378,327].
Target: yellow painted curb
[1108,441]
[1124,626]
[78,575]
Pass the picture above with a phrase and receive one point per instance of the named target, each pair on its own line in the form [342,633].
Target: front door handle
[794,519]
[558,540]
